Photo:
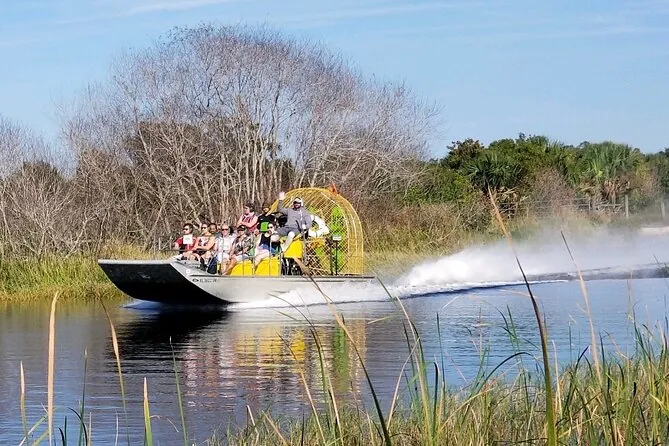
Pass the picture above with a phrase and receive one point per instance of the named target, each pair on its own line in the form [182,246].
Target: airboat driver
[298,220]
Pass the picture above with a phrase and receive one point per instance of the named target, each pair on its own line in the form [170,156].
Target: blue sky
[572,70]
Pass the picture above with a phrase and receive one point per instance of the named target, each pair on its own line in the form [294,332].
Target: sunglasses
[225,229]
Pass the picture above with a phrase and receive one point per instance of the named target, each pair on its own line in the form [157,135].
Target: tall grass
[506,403]
[629,406]
[75,278]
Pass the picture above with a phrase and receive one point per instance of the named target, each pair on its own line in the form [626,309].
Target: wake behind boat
[325,258]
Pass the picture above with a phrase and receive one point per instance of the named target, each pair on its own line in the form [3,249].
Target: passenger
[240,248]
[224,246]
[207,243]
[203,238]
[298,220]
[265,219]
[248,219]
[186,244]
[267,245]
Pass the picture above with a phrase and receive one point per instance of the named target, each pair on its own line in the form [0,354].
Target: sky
[571,70]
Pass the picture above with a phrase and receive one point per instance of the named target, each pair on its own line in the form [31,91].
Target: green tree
[495,171]
[608,169]
[659,165]
[461,153]
[440,184]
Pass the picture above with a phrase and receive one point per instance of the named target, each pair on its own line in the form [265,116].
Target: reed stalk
[83,435]
[119,370]
[24,421]
[50,366]
[148,432]
[550,402]
[586,298]
[184,428]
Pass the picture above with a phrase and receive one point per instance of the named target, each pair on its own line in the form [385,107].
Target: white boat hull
[175,282]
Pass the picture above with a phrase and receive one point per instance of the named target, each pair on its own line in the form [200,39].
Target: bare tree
[37,207]
[209,118]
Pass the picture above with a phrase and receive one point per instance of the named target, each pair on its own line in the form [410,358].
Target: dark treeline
[536,169]
[210,118]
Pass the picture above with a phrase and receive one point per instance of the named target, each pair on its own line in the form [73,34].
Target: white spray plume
[495,265]
[544,254]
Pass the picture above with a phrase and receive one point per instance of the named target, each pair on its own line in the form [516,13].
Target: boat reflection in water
[229,360]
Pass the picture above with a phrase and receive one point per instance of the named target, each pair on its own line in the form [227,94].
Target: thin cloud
[602,32]
[338,15]
[175,6]
[533,28]
[10,43]
[149,8]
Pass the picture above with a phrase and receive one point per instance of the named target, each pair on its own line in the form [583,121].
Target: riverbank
[77,278]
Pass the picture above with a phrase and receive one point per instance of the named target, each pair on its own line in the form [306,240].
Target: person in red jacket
[186,244]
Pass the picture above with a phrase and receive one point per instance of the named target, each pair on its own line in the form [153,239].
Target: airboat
[324,261]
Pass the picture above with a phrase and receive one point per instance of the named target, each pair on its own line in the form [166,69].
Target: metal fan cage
[340,251]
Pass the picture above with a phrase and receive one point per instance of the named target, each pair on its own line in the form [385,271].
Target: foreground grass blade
[550,402]
[586,298]
[24,421]
[119,370]
[82,424]
[147,417]
[377,404]
[50,367]
[179,396]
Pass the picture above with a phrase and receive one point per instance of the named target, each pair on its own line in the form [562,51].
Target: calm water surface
[255,358]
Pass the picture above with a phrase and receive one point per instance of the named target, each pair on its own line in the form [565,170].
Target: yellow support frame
[342,220]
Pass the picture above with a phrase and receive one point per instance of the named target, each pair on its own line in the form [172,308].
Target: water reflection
[262,358]
[158,329]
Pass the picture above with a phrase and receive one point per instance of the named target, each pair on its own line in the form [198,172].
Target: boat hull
[179,283]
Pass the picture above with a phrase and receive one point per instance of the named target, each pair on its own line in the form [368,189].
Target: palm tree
[607,169]
[492,171]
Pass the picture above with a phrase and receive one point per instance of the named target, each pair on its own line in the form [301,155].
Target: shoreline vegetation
[79,278]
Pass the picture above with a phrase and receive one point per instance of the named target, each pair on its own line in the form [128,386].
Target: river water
[254,358]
